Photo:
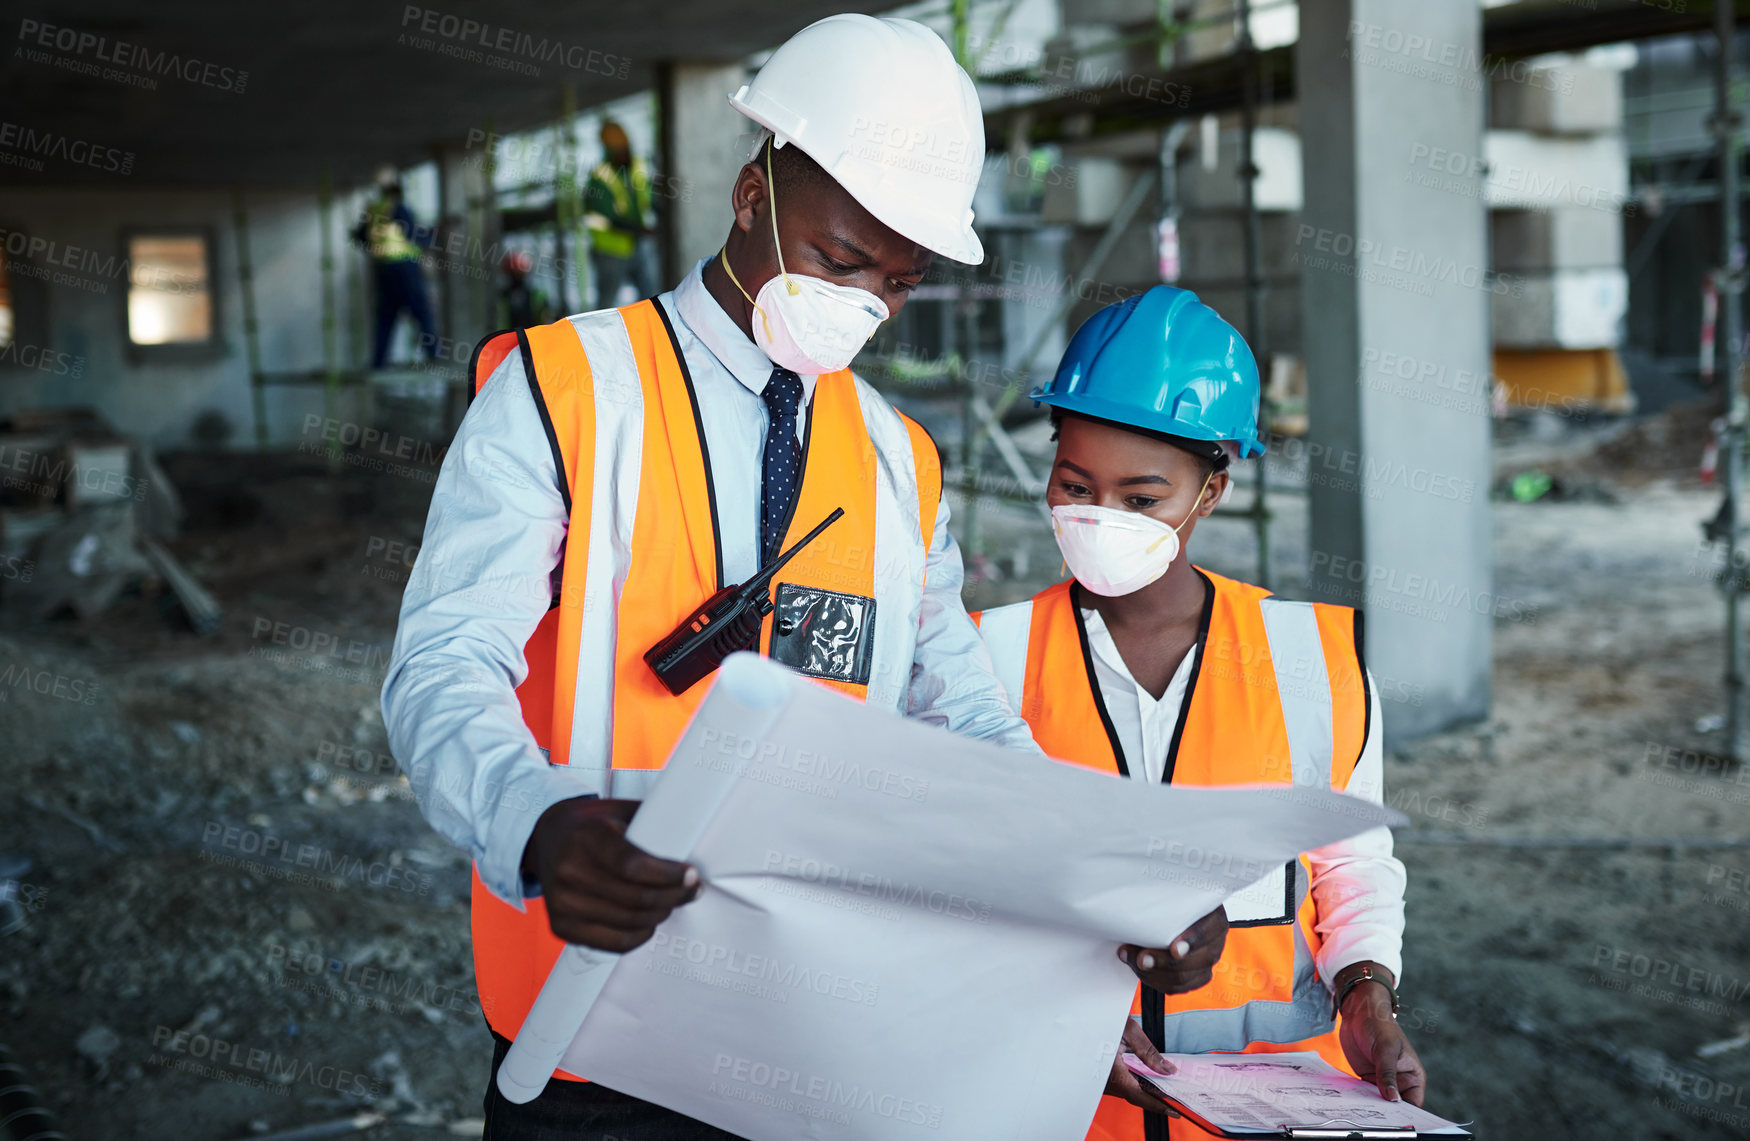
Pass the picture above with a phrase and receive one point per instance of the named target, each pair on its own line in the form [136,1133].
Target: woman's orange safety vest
[642,552]
[1277,695]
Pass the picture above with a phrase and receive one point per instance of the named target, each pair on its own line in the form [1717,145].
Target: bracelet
[1366,976]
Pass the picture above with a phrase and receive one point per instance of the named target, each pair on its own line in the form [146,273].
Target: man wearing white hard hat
[619,469]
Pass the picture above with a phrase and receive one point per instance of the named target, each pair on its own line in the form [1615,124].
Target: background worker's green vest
[388,241]
[627,202]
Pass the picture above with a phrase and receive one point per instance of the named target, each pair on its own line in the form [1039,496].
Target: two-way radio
[726,622]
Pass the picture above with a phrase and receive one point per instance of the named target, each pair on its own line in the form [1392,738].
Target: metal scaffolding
[1729,278]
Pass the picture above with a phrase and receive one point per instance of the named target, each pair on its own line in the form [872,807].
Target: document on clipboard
[1297,1095]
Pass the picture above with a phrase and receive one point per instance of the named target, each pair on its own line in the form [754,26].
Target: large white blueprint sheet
[903,933]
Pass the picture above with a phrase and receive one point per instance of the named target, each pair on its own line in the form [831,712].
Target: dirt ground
[236,920]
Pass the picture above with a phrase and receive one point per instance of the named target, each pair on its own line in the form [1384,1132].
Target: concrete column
[704,144]
[464,257]
[1395,307]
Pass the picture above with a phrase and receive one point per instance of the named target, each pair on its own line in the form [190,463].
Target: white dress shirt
[1357,884]
[482,581]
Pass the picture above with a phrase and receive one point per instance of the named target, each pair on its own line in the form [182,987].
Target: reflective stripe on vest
[622,419]
[1005,630]
[1276,696]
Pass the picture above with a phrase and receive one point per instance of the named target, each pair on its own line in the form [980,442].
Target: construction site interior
[1477,248]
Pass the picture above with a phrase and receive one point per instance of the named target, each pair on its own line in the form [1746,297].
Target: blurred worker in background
[1145,666]
[617,210]
[394,244]
[574,525]
[521,304]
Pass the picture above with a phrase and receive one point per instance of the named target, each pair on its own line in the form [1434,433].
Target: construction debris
[81,511]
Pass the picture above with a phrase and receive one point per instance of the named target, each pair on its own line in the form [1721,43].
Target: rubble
[82,513]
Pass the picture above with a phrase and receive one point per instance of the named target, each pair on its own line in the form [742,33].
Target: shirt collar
[1100,641]
[1105,649]
[723,338]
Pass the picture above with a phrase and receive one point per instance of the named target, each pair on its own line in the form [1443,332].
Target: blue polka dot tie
[783,458]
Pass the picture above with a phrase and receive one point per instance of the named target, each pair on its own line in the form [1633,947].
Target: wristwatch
[1366,976]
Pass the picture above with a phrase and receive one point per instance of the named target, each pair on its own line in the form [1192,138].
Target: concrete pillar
[465,254]
[704,143]
[1395,306]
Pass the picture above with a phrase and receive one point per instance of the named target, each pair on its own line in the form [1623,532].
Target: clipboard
[1324,1131]
[1304,1071]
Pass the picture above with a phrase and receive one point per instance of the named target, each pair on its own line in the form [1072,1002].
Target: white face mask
[1113,552]
[804,324]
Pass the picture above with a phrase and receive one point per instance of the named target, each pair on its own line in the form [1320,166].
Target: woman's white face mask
[1113,552]
[803,323]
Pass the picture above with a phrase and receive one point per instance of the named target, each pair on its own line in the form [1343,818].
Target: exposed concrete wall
[1392,271]
[704,144]
[463,265]
[80,310]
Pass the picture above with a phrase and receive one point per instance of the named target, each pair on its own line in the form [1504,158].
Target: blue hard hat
[1163,361]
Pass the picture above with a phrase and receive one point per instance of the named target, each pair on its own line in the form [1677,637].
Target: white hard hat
[881,105]
[387,175]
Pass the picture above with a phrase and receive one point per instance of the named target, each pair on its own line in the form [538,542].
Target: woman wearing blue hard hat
[1151,668]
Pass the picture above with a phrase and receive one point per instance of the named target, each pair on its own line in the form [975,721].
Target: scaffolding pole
[490,219]
[1096,260]
[1730,279]
[568,199]
[358,336]
[330,334]
[1247,52]
[251,330]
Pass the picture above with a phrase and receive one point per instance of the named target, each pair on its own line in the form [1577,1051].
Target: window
[24,308]
[170,299]
[7,321]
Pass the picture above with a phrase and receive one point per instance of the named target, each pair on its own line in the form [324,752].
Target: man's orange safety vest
[1277,695]
[621,416]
